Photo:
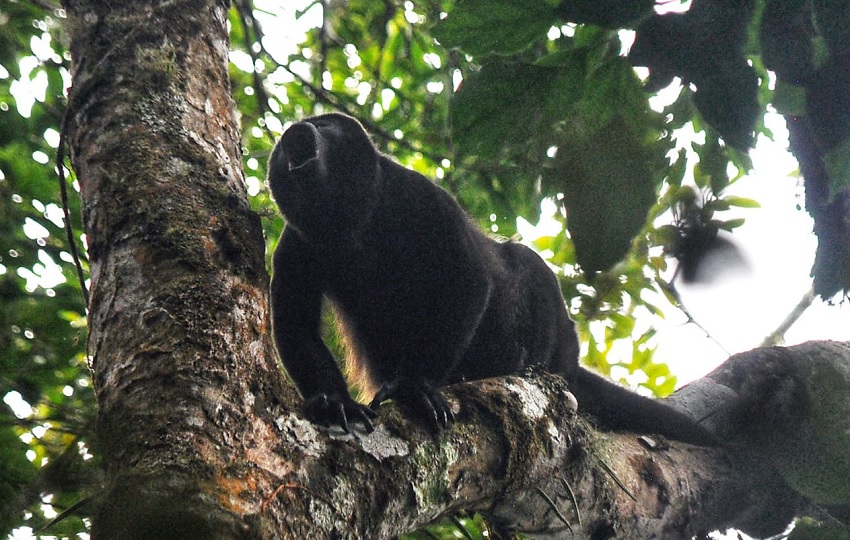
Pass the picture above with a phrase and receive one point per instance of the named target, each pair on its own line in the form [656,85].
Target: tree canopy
[515,108]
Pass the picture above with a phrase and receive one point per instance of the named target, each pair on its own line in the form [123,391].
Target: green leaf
[544,242]
[730,224]
[833,18]
[676,172]
[482,27]
[608,156]
[607,199]
[728,101]
[623,325]
[509,102]
[711,170]
[654,371]
[666,388]
[741,202]
[786,44]
[640,359]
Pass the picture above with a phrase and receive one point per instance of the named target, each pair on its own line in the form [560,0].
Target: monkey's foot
[335,410]
[419,400]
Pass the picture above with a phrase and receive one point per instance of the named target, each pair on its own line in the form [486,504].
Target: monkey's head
[324,175]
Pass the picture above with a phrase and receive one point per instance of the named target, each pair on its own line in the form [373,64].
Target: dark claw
[385,392]
[342,420]
[419,400]
[364,416]
[445,416]
[332,410]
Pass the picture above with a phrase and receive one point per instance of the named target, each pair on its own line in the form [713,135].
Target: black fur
[426,298]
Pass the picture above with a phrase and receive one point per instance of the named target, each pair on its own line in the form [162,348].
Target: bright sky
[745,306]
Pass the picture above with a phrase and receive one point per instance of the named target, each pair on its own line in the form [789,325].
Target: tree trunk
[182,363]
[197,427]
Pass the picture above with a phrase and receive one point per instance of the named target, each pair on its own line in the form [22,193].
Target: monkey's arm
[446,287]
[296,303]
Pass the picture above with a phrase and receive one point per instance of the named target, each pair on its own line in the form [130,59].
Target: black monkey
[425,297]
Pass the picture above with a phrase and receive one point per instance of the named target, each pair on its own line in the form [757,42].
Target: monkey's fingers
[333,410]
[385,392]
[364,415]
[429,405]
[419,400]
[442,410]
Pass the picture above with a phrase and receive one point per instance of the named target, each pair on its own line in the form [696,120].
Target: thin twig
[778,336]
[672,291]
[65,513]
[63,193]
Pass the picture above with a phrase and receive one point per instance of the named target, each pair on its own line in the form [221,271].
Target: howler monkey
[424,296]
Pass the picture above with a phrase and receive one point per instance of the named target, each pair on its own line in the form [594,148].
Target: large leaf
[608,186]
[727,100]
[833,18]
[510,102]
[481,27]
[608,155]
[786,46]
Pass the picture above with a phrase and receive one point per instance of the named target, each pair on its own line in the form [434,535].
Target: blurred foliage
[48,405]
[530,114]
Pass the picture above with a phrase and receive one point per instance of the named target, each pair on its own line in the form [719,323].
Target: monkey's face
[296,171]
[323,171]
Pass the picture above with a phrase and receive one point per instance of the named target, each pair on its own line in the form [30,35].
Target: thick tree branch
[790,407]
[516,441]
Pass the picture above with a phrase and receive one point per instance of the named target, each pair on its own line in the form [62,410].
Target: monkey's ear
[300,144]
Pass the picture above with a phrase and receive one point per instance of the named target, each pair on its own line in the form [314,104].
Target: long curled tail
[618,409]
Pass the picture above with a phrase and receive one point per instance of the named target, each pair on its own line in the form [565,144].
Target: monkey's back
[423,289]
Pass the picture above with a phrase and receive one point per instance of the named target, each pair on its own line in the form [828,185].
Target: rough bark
[790,407]
[197,429]
[181,358]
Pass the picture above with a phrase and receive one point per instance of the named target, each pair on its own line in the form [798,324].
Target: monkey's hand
[418,399]
[337,410]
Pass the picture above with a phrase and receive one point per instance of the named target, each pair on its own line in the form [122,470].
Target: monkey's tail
[618,409]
